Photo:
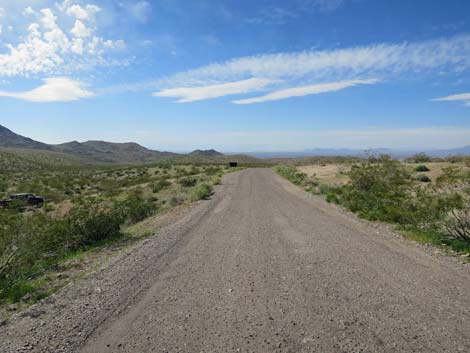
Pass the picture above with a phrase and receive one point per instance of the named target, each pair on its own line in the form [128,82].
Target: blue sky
[238,75]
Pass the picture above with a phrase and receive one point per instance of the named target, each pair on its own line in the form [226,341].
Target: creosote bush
[188,181]
[291,173]
[423,178]
[160,185]
[200,192]
[421,168]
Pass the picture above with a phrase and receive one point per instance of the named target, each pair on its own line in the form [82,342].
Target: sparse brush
[200,192]
[188,181]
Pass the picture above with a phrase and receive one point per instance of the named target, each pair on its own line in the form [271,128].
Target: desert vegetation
[428,200]
[87,207]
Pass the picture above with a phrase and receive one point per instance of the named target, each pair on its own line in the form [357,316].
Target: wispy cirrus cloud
[323,5]
[382,59]
[462,97]
[303,73]
[192,94]
[57,89]
[306,90]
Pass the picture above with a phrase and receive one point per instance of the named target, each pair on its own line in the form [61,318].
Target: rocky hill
[10,139]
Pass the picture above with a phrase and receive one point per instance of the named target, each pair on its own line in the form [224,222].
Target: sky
[238,75]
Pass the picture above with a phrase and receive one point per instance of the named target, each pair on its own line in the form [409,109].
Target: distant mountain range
[396,153]
[133,153]
[207,153]
[100,151]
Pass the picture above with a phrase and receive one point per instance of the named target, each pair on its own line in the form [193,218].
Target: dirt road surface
[262,267]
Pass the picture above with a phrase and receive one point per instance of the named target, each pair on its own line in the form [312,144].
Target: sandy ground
[261,267]
[330,174]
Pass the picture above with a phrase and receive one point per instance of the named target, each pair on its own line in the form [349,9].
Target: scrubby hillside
[27,160]
[109,152]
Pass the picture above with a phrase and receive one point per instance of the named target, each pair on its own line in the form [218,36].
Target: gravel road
[262,267]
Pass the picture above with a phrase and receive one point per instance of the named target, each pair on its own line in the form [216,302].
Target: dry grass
[330,174]
[435,168]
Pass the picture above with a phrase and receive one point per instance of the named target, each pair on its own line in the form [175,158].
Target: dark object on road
[233,164]
[25,199]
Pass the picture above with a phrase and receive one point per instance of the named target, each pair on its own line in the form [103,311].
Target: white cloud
[86,13]
[79,30]
[48,19]
[323,5]
[273,15]
[306,90]
[28,11]
[311,72]
[57,89]
[462,97]
[2,12]
[333,65]
[191,94]
[54,46]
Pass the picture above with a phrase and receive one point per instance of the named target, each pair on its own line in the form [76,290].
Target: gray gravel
[262,267]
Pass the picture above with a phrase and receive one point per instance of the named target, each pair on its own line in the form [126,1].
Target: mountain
[331,152]
[206,153]
[87,152]
[9,139]
[110,152]
[464,151]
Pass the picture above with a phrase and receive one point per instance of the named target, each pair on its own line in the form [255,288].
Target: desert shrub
[421,168]
[194,170]
[3,185]
[457,224]
[86,226]
[423,178]
[31,244]
[377,191]
[176,200]
[188,181]
[291,173]
[211,170]
[332,197]
[200,192]
[216,179]
[455,184]
[160,185]
[135,208]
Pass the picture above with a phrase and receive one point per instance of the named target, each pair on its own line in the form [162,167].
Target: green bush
[377,191]
[292,174]
[423,178]
[31,244]
[135,208]
[212,170]
[200,192]
[332,197]
[421,168]
[160,185]
[188,181]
